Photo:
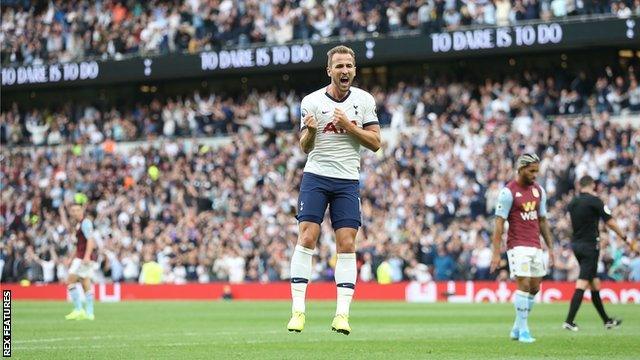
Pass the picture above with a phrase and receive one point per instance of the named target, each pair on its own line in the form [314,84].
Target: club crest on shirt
[535,192]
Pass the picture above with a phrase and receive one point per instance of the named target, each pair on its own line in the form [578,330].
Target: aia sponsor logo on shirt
[331,128]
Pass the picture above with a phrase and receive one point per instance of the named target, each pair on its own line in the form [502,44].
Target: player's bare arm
[89,250]
[497,243]
[545,231]
[63,218]
[308,138]
[368,137]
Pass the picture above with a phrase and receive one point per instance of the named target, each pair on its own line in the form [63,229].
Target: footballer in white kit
[336,121]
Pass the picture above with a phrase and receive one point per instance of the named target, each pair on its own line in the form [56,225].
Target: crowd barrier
[447,291]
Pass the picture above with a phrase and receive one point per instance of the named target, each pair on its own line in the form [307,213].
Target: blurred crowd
[613,91]
[198,213]
[36,32]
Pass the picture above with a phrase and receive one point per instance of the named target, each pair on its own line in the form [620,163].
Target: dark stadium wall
[472,69]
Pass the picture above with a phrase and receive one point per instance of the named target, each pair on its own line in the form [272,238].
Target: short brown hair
[586,181]
[340,49]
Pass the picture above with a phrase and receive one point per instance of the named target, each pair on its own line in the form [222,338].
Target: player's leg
[74,292]
[312,204]
[88,295]
[344,208]
[609,323]
[345,276]
[534,262]
[538,271]
[346,270]
[301,265]
[583,282]
[534,288]
[520,269]
[576,301]
[521,304]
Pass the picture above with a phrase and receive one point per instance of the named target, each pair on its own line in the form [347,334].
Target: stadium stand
[204,182]
[423,216]
[61,31]
[610,91]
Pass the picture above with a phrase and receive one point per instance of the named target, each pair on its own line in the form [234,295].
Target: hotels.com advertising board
[447,291]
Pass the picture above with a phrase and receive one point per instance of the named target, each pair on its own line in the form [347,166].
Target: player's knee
[583,284]
[346,239]
[534,290]
[346,246]
[524,287]
[307,242]
[307,239]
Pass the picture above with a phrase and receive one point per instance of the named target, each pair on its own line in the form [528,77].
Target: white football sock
[300,276]
[346,273]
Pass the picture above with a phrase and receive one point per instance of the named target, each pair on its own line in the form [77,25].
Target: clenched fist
[310,122]
[340,119]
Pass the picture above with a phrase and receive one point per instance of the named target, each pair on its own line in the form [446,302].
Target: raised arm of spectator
[63,218]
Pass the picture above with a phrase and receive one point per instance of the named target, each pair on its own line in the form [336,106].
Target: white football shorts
[526,261]
[84,271]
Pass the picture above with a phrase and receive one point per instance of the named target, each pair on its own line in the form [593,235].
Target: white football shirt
[337,154]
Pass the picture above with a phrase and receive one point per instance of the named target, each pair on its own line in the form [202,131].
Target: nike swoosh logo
[325,112]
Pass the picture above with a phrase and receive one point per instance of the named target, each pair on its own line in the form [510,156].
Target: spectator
[383,273]
[117,29]
[151,272]
[444,265]
[224,212]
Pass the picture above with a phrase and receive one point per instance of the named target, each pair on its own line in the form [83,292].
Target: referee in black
[586,210]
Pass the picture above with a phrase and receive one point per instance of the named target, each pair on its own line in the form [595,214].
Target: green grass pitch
[256,330]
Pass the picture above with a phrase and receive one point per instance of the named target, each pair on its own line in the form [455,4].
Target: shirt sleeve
[505,200]
[87,228]
[370,113]
[542,212]
[603,210]
[305,108]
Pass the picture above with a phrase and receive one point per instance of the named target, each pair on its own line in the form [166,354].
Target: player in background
[522,203]
[336,121]
[84,258]
[586,210]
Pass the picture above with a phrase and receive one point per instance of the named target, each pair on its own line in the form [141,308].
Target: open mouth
[344,80]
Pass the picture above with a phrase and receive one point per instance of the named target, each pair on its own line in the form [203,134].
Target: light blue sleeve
[505,200]
[542,212]
[87,228]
